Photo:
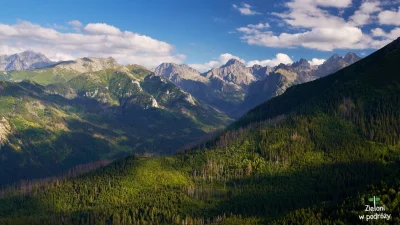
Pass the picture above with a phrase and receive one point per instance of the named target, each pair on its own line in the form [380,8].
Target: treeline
[32,187]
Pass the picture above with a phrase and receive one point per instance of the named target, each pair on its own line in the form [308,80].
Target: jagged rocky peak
[351,57]
[334,57]
[177,73]
[31,55]
[336,63]
[261,72]
[168,68]
[302,61]
[234,62]
[302,64]
[153,77]
[256,67]
[348,58]
[282,66]
[234,72]
[23,61]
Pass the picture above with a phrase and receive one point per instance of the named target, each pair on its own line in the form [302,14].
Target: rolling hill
[313,155]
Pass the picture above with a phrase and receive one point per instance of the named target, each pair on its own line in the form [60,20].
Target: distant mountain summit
[234,72]
[176,73]
[302,65]
[260,72]
[284,76]
[87,64]
[212,90]
[235,88]
[24,61]
[336,63]
[64,71]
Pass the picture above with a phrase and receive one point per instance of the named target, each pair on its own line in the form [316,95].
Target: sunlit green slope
[97,115]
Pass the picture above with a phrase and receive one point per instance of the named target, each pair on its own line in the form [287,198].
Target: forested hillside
[313,155]
[108,114]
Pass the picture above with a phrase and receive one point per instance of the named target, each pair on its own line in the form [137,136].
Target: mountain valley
[312,154]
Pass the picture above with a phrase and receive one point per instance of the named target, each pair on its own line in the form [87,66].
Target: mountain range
[127,107]
[315,154]
[93,109]
[234,88]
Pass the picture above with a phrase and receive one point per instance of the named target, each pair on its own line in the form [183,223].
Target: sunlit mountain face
[200,112]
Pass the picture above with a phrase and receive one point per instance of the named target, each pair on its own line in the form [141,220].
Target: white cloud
[316,62]
[62,57]
[280,58]
[330,3]
[57,27]
[315,27]
[309,14]
[259,26]
[222,59]
[101,28]
[362,16]
[100,41]
[378,32]
[75,23]
[393,34]
[245,9]
[390,2]
[253,28]
[205,66]
[325,39]
[388,17]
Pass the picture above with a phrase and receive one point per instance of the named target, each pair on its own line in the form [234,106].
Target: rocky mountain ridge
[23,61]
[87,64]
[232,88]
[244,87]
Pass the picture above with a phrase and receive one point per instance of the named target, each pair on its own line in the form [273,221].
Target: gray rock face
[301,65]
[336,63]
[260,72]
[283,76]
[177,73]
[212,90]
[87,64]
[234,72]
[235,88]
[23,61]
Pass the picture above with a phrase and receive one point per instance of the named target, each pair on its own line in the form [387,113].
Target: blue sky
[202,33]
